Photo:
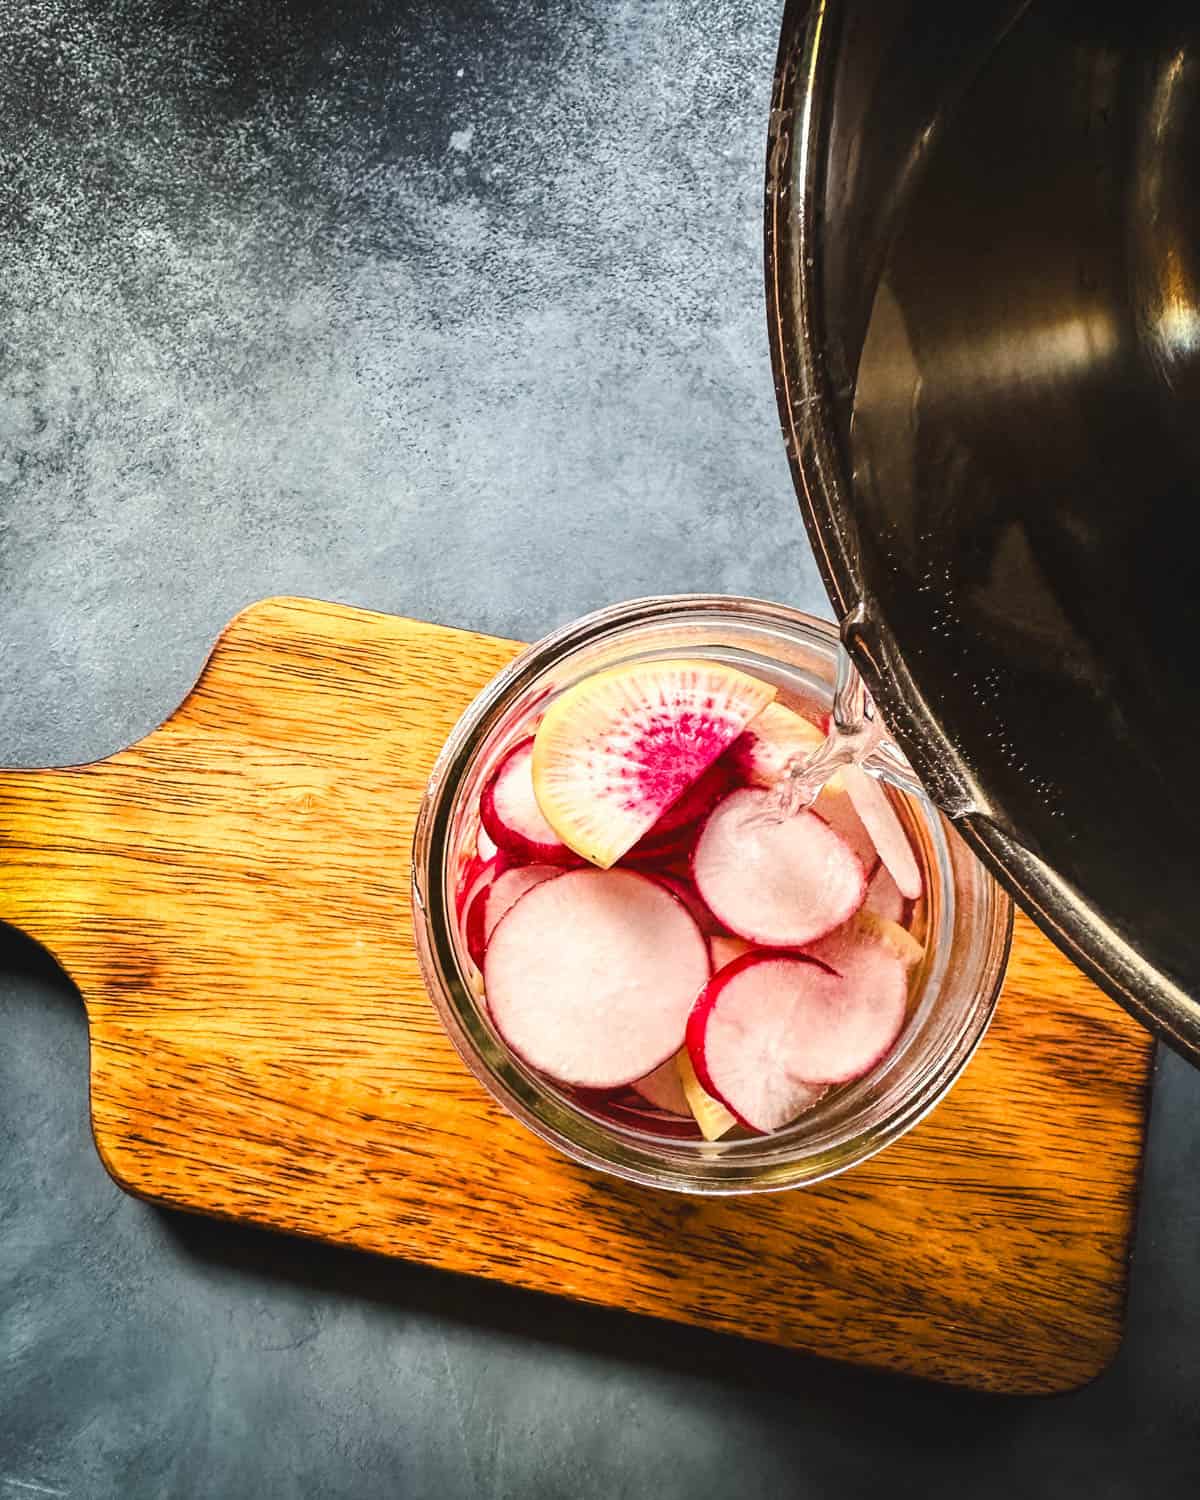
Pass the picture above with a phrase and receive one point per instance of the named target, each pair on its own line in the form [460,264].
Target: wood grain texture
[231,897]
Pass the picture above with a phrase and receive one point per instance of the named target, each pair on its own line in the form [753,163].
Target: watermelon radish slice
[590,977]
[509,812]
[764,749]
[781,883]
[499,898]
[617,750]
[883,896]
[675,832]
[709,1114]
[664,1089]
[763,1026]
[884,829]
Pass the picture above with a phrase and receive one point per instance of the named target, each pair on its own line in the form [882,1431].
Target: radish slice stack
[721,966]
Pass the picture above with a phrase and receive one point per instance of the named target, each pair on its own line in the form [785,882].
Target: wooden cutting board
[231,896]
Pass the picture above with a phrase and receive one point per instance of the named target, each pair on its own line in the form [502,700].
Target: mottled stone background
[456,310]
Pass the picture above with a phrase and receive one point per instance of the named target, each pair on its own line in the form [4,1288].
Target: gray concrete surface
[455,310]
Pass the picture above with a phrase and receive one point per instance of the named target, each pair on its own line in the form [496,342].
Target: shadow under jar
[968,917]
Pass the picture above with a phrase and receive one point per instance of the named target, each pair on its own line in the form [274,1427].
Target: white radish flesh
[844,949]
[590,977]
[781,882]
[835,806]
[885,830]
[507,889]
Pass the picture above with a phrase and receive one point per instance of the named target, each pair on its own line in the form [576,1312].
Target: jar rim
[760,1164]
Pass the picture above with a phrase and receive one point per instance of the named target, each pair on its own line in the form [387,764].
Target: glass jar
[969,919]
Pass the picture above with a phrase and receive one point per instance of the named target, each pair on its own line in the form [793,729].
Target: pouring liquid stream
[855,737]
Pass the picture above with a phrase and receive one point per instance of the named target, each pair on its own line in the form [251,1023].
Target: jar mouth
[957,990]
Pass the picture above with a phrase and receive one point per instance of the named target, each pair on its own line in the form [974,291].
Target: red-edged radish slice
[664,1089]
[885,830]
[756,1031]
[590,977]
[472,868]
[725,949]
[510,813]
[471,910]
[467,876]
[485,846]
[780,882]
[883,896]
[709,1114]
[506,890]
[616,751]
[834,805]
[764,749]
[685,891]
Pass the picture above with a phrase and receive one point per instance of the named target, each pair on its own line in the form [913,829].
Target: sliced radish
[506,890]
[866,930]
[472,868]
[762,752]
[485,846]
[725,949]
[883,896]
[590,977]
[780,882]
[510,813]
[664,1089]
[885,830]
[861,939]
[618,749]
[467,876]
[759,1035]
[685,891]
[709,1114]
[471,911]
[835,806]
[676,830]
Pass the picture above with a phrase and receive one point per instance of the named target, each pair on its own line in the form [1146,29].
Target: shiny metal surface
[983,258]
